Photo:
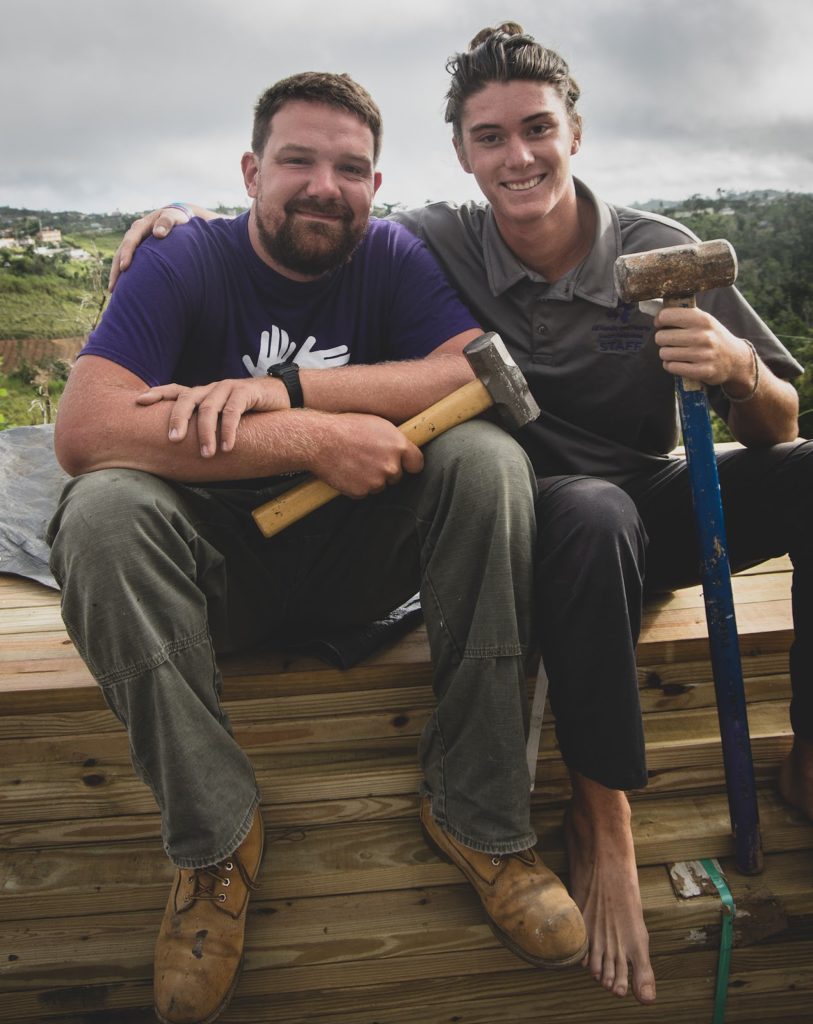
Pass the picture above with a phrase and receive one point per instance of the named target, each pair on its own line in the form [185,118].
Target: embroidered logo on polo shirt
[615,333]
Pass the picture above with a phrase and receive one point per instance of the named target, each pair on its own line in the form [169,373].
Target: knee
[99,512]
[798,465]
[589,511]
[97,501]
[486,463]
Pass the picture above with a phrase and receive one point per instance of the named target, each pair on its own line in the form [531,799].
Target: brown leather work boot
[529,909]
[199,951]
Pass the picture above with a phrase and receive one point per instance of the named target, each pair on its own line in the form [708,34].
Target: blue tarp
[31,481]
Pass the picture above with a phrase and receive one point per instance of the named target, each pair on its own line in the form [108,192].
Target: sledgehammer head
[675,271]
[503,379]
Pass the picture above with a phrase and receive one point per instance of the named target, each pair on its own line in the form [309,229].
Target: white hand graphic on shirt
[306,358]
[275,347]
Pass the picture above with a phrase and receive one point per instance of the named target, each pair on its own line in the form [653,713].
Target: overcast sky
[126,104]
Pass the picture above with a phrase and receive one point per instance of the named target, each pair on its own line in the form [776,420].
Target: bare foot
[796,777]
[604,883]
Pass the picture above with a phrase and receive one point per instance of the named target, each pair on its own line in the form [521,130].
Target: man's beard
[310,247]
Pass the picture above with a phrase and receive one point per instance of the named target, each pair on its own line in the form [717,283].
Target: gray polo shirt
[608,406]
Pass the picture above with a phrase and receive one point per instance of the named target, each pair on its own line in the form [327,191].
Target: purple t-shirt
[201,306]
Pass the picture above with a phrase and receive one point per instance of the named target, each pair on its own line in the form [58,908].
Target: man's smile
[329,218]
[523,186]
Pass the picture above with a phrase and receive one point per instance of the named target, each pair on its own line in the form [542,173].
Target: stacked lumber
[356,921]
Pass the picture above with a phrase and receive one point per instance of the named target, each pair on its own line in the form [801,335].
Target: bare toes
[608,974]
[594,961]
[643,985]
[621,977]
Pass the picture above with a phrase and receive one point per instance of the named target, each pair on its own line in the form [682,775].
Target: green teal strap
[726,936]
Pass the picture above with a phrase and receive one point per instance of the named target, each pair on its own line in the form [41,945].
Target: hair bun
[509,28]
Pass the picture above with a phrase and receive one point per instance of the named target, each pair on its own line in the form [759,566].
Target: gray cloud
[109,103]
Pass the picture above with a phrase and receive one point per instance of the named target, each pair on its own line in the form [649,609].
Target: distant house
[8,243]
[686,214]
[49,235]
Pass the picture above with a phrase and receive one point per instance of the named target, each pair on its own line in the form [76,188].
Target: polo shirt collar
[592,279]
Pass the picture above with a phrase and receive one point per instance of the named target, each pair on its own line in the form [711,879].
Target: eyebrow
[540,115]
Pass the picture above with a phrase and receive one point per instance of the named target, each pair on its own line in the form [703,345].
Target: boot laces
[206,880]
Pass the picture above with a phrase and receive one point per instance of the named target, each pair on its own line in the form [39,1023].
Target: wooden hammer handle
[463,404]
[684,302]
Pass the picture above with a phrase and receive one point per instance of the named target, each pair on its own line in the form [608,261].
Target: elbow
[775,434]
[71,461]
[71,450]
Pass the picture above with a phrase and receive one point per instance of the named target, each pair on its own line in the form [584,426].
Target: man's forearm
[134,437]
[772,421]
[395,390]
[767,416]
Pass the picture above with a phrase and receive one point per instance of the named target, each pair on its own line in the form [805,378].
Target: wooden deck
[356,921]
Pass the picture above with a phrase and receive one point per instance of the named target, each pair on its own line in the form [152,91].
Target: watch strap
[288,373]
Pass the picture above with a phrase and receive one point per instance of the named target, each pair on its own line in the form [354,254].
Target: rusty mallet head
[503,379]
[677,272]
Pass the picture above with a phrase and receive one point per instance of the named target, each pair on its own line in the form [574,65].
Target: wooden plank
[382,933]
[33,635]
[341,758]
[700,693]
[550,791]
[39,611]
[685,624]
[468,993]
[664,687]
[364,856]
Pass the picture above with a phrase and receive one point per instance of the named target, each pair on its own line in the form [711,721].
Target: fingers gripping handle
[684,302]
[461,405]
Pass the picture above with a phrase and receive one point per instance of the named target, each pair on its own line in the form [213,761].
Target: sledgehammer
[675,274]
[499,383]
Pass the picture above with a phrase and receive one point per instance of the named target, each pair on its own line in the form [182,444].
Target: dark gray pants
[157,577]
[602,547]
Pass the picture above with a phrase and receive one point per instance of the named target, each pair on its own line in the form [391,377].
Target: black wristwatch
[288,373]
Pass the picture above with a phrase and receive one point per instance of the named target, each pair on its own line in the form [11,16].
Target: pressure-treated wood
[356,921]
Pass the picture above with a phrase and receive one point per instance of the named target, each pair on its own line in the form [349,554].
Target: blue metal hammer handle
[722,624]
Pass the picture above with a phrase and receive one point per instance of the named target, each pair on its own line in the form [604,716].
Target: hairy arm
[101,426]
[395,390]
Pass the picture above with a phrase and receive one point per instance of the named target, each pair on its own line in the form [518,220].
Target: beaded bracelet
[753,391]
[180,206]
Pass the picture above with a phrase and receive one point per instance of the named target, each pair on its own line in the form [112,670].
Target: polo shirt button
[541,328]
